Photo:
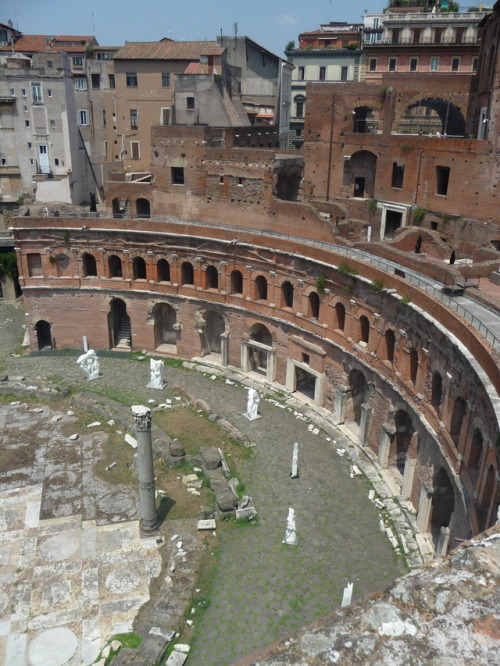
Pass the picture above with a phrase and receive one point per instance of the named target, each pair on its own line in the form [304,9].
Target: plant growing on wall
[378,285]
[405,300]
[372,205]
[345,269]
[320,283]
[419,214]
[446,218]
[66,237]
[384,91]
[407,148]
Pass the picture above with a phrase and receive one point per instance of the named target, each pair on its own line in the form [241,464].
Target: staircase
[123,342]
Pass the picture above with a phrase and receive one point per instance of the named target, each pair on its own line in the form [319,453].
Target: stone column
[147,500]
[443,543]
[364,426]
[409,473]
[224,349]
[339,404]
[424,508]
[388,431]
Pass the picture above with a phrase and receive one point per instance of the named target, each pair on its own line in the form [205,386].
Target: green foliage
[384,90]
[407,148]
[353,47]
[378,285]
[66,237]
[345,269]
[419,214]
[8,264]
[290,45]
[446,218]
[405,300]
[372,205]
[320,283]
[128,640]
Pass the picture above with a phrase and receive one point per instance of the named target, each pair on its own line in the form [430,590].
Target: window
[165,80]
[133,119]
[52,124]
[104,117]
[438,32]
[459,35]
[177,175]
[49,93]
[111,79]
[82,117]
[302,73]
[23,92]
[36,93]
[475,62]
[96,81]
[135,149]
[50,64]
[131,79]
[77,61]
[25,109]
[434,64]
[30,145]
[12,92]
[322,73]
[27,123]
[413,64]
[343,73]
[398,171]
[455,64]
[373,65]
[190,103]
[299,109]
[442,179]
[32,162]
[392,64]
[56,161]
[80,83]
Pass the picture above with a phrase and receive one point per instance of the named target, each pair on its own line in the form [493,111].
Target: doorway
[359,187]
[43,335]
[43,159]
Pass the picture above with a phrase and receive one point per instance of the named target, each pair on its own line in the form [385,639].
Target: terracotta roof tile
[48,43]
[168,50]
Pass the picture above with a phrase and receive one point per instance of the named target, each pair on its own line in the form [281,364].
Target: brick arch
[403,106]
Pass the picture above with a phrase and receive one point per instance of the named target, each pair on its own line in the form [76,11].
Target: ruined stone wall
[356,374]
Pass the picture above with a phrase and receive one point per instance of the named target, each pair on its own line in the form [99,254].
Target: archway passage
[120,334]
[402,441]
[212,277]
[432,115]
[143,208]
[120,207]
[43,334]
[215,327]
[443,503]
[89,265]
[164,318]
[359,173]
[258,357]
[356,397]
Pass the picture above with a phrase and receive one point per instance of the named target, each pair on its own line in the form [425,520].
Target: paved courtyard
[261,590]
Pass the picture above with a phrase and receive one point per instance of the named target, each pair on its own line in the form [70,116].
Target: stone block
[152,648]
[211,457]
[226,501]
[176,448]
[176,659]
[249,512]
[206,524]
[130,440]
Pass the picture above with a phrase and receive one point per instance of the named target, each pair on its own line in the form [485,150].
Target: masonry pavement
[262,589]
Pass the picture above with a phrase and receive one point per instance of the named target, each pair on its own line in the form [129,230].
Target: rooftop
[168,50]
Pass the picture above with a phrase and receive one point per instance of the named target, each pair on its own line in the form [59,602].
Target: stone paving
[262,590]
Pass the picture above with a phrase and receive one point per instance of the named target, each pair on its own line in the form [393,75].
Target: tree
[290,45]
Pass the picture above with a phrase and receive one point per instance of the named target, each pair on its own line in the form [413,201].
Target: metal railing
[432,287]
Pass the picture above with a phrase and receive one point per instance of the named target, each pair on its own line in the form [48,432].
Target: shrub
[345,269]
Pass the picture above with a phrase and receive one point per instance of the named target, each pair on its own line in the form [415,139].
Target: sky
[271,23]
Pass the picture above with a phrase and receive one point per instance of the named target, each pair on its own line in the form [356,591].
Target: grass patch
[128,640]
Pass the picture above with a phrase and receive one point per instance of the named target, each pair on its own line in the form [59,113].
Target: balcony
[428,17]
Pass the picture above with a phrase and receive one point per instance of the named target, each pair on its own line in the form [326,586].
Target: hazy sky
[271,23]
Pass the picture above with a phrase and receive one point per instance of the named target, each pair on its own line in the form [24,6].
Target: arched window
[287,291]
[457,418]
[120,207]
[212,278]
[436,390]
[475,455]
[390,342]
[187,273]
[314,305]
[236,282]
[143,208]
[340,316]
[364,329]
[364,121]
[115,266]
[89,267]
[139,268]
[261,288]
[163,271]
